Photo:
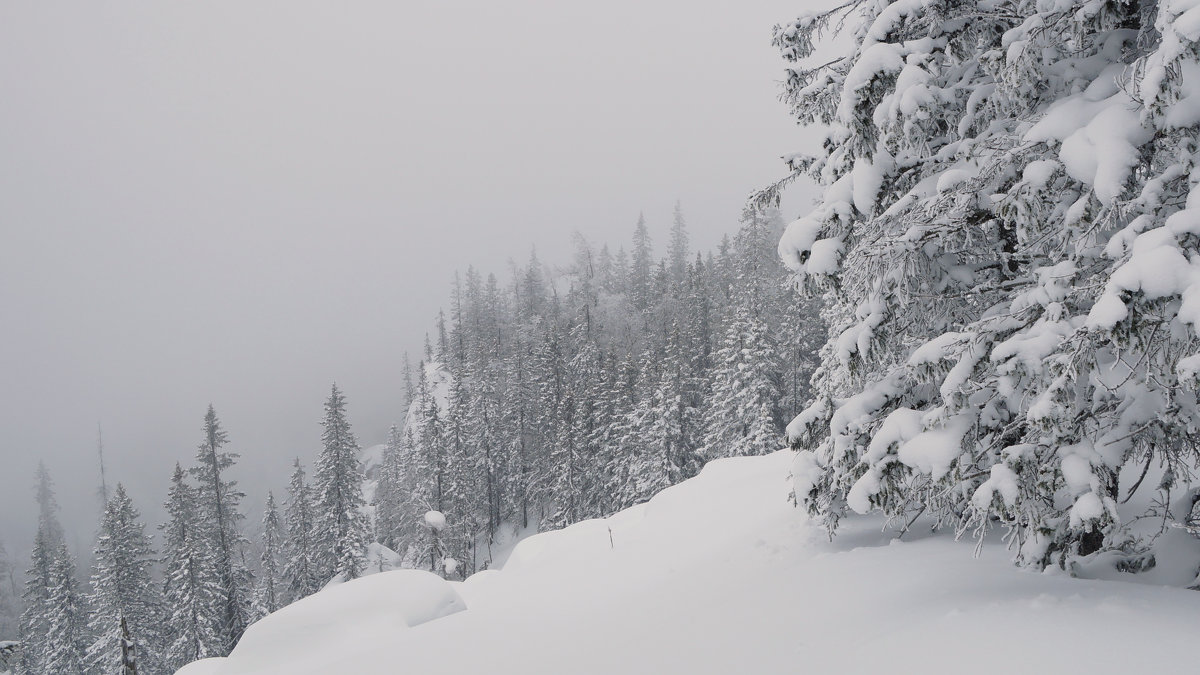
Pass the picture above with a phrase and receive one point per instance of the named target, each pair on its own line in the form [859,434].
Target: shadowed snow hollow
[721,575]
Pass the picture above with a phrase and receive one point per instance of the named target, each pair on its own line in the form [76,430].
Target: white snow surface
[313,634]
[721,574]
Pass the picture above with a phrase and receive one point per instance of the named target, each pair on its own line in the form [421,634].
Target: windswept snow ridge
[720,574]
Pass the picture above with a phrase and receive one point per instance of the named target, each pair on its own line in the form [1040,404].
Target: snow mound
[315,634]
[203,667]
[721,574]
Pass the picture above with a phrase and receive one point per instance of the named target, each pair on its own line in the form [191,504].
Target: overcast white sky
[240,202]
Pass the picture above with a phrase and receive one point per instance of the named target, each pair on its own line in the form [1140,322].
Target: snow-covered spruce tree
[1008,240]
[301,560]
[677,250]
[124,601]
[551,408]
[610,464]
[271,592]
[641,268]
[485,425]
[66,637]
[697,333]
[430,446]
[521,438]
[389,492]
[192,598]
[47,503]
[9,615]
[566,472]
[640,469]
[743,410]
[35,596]
[460,463]
[218,499]
[484,369]
[341,526]
[667,424]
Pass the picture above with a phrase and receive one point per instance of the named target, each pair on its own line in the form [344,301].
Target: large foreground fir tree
[1010,242]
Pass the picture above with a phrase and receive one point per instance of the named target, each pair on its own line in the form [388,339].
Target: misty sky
[242,202]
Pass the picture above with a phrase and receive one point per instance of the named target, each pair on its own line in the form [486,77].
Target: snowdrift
[345,617]
[720,574]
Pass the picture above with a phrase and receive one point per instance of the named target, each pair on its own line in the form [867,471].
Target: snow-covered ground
[721,574]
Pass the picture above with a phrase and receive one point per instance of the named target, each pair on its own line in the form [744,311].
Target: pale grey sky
[240,202]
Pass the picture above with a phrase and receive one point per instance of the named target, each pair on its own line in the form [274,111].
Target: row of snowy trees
[1008,243]
[206,591]
[572,394]
[566,394]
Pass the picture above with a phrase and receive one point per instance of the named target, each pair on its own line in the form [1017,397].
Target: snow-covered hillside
[720,574]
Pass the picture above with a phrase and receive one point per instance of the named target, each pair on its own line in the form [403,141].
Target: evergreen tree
[124,602]
[192,597]
[9,615]
[549,415]
[62,646]
[640,279]
[673,436]
[610,460]
[621,272]
[301,568]
[431,462]
[409,390]
[572,450]
[271,594]
[698,328]
[531,292]
[607,271]
[677,249]
[1012,328]
[48,506]
[644,469]
[459,488]
[341,526]
[485,425]
[519,445]
[102,491]
[39,578]
[389,492]
[34,623]
[218,499]
[743,415]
